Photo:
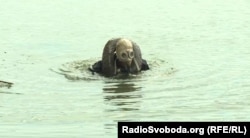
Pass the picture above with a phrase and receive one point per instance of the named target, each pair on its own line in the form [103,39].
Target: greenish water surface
[198,52]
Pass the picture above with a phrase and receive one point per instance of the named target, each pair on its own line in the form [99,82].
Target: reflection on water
[123,96]
[121,87]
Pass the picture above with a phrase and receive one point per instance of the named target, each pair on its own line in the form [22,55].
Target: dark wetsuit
[97,67]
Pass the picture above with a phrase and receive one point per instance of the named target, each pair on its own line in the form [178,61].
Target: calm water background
[198,51]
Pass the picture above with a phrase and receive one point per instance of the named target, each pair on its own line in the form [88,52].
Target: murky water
[198,52]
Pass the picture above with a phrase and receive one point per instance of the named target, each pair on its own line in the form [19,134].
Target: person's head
[124,51]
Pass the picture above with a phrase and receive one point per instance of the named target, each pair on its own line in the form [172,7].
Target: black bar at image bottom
[172,129]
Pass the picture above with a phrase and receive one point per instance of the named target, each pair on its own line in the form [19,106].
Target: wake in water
[79,70]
